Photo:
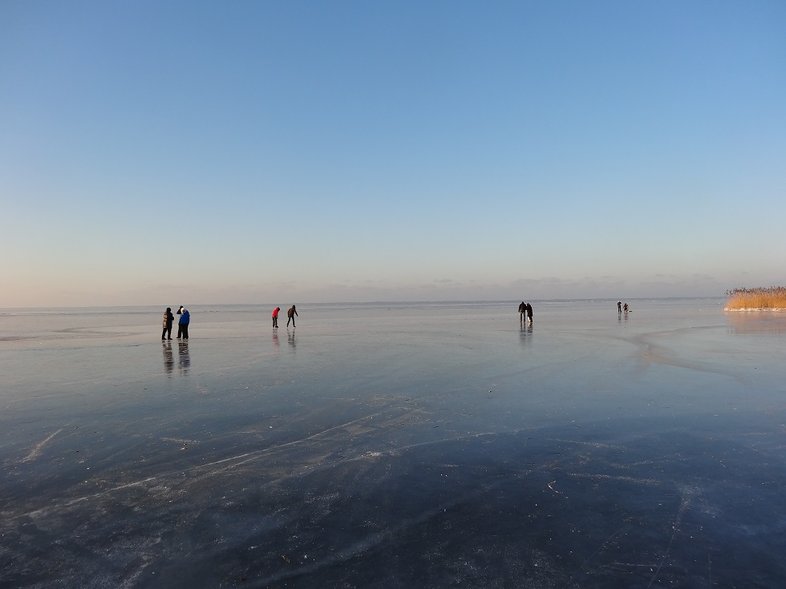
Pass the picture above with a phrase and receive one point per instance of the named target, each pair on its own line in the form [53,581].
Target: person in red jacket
[275,316]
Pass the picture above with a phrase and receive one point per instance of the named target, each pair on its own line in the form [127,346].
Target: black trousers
[182,330]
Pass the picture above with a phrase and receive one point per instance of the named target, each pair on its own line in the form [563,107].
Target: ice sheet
[394,445]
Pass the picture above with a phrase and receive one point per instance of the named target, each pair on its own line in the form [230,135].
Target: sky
[191,152]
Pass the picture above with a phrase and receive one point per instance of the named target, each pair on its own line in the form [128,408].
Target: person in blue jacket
[182,325]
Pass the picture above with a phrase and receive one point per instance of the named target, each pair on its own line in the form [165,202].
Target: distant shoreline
[265,305]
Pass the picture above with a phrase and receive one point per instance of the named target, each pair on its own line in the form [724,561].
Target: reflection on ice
[525,332]
[169,360]
[762,322]
[183,358]
[291,337]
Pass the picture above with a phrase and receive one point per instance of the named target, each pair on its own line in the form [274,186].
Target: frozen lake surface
[395,445]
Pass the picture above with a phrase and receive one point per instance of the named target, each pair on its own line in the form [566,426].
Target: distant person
[291,314]
[529,313]
[182,325]
[619,306]
[626,308]
[168,320]
[275,316]
[179,328]
[522,311]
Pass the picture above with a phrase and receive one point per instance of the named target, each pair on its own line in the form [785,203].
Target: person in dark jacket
[168,320]
[522,311]
[529,313]
[291,314]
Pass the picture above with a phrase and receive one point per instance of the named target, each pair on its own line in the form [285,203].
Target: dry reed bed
[772,298]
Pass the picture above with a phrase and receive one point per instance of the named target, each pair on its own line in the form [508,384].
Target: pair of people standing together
[525,309]
[182,324]
[291,314]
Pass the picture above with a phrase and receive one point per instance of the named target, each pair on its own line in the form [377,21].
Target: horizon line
[377,302]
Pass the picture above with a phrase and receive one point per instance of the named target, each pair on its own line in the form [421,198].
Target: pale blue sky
[238,152]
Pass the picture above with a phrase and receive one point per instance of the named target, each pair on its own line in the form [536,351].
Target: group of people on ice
[182,324]
[291,314]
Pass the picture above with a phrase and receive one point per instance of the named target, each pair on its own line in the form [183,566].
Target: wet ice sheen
[393,445]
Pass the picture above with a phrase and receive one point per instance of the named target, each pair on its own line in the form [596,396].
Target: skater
[291,314]
[275,316]
[522,311]
[529,313]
